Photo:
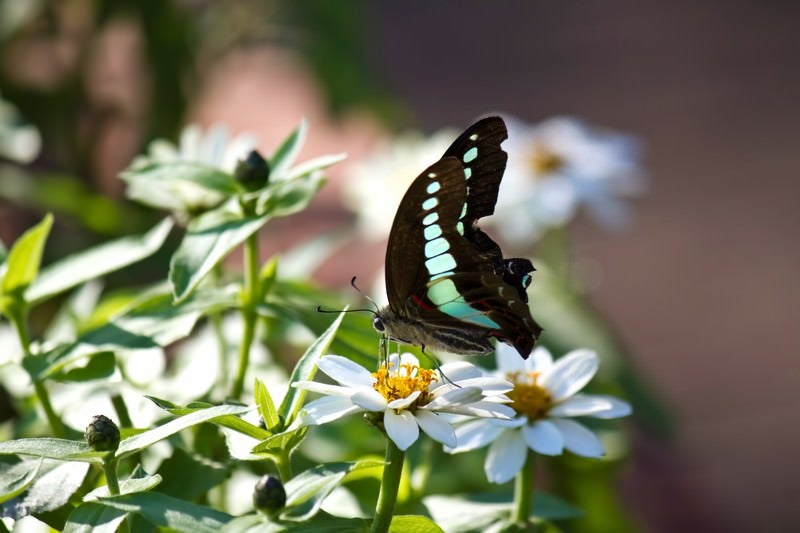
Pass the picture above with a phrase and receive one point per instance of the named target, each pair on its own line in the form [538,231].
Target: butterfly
[449,286]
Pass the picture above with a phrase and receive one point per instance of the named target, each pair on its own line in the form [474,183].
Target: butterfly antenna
[369,299]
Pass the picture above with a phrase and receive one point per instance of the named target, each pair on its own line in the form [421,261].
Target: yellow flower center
[544,161]
[528,398]
[395,383]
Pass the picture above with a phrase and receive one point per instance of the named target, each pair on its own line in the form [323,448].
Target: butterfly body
[448,284]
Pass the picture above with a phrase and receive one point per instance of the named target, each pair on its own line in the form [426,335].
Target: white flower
[559,165]
[19,142]
[213,149]
[410,398]
[376,184]
[545,398]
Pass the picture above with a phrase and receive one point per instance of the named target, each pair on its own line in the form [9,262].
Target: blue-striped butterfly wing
[448,285]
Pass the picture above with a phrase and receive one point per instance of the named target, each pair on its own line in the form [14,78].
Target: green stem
[387,497]
[56,425]
[122,411]
[250,293]
[284,467]
[523,491]
[110,468]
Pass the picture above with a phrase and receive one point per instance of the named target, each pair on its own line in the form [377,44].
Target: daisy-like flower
[559,165]
[213,149]
[408,397]
[545,398]
[377,183]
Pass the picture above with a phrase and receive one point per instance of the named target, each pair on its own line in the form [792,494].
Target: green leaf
[206,176]
[141,441]
[189,476]
[52,489]
[16,478]
[306,492]
[62,449]
[233,422]
[284,198]
[266,407]
[284,156]
[413,523]
[203,247]
[101,365]
[267,277]
[168,512]
[93,517]
[315,165]
[304,370]
[127,486]
[95,262]
[26,256]
[321,523]
[278,443]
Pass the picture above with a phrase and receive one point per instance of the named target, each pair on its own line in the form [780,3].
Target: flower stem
[387,497]
[52,418]
[523,490]
[284,467]
[110,468]
[250,293]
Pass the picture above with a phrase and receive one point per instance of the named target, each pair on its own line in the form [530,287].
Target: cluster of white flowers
[524,404]
[554,168]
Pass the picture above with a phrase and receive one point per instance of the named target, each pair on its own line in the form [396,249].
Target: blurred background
[702,288]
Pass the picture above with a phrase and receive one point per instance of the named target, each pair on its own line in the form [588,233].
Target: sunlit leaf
[93,517]
[168,512]
[304,370]
[95,262]
[25,257]
[143,440]
[306,491]
[203,247]
[15,478]
[286,153]
[63,449]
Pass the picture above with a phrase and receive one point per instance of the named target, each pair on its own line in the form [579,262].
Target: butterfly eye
[377,323]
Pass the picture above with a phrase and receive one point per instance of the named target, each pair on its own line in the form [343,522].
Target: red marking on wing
[420,302]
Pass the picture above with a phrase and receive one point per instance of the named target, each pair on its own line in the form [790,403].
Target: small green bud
[269,495]
[253,171]
[102,434]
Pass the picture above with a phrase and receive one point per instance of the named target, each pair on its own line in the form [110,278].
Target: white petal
[345,371]
[406,358]
[326,410]
[543,437]
[488,384]
[570,373]
[508,359]
[580,405]
[324,388]
[481,409]
[436,428]
[369,399]
[540,360]
[506,457]
[456,371]
[618,408]
[475,434]
[402,403]
[401,428]
[578,439]
[459,396]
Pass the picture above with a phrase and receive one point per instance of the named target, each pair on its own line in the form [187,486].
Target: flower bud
[102,434]
[269,495]
[253,171]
